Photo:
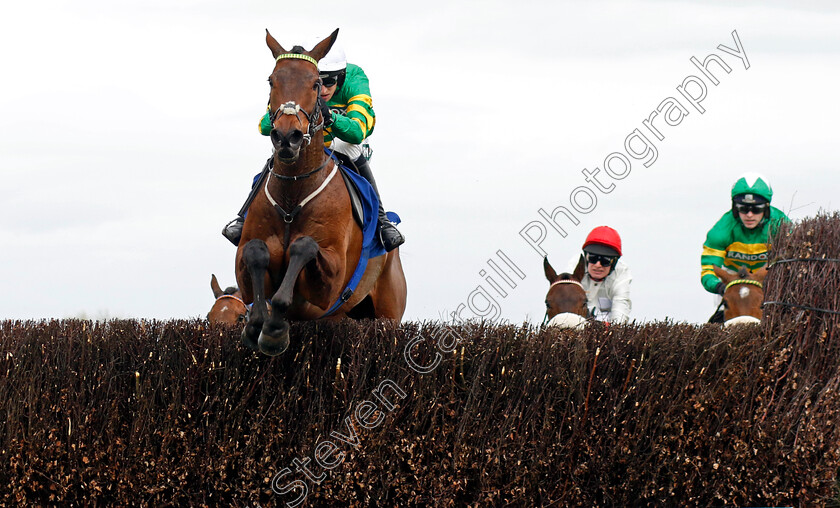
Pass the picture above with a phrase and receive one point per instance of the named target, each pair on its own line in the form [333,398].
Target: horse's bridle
[745,281]
[563,281]
[566,281]
[231,296]
[733,283]
[241,317]
[293,109]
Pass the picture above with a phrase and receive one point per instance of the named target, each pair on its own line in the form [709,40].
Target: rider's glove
[720,288]
[326,113]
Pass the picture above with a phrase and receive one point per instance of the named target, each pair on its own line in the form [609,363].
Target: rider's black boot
[233,229]
[388,233]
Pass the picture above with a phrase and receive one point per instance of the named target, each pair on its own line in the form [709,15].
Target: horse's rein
[564,281]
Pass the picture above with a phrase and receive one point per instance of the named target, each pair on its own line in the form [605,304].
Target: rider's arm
[620,296]
[265,124]
[358,119]
[714,252]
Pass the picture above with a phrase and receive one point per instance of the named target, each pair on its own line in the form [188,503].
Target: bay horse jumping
[300,244]
[743,295]
[565,302]
[228,308]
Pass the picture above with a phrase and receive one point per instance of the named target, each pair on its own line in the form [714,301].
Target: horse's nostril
[295,138]
[291,139]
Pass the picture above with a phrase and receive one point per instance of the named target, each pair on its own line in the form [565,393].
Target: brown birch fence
[177,413]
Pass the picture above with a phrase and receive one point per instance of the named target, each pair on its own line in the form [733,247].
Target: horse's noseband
[292,108]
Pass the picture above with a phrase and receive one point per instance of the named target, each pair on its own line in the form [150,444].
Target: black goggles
[597,258]
[756,209]
[329,80]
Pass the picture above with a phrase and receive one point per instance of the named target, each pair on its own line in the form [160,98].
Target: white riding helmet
[334,61]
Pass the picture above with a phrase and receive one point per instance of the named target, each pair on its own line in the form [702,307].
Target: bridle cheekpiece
[292,108]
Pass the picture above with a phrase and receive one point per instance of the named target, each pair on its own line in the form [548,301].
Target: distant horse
[565,303]
[743,295]
[228,307]
[300,244]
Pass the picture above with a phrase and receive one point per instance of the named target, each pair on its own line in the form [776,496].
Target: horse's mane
[743,272]
[232,290]
[298,50]
[566,276]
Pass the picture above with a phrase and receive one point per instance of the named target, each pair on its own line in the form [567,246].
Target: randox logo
[747,257]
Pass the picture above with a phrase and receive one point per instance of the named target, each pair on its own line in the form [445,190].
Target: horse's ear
[550,274]
[580,269]
[214,285]
[322,48]
[760,273]
[273,45]
[724,275]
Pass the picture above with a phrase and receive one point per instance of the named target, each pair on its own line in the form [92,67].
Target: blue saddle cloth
[370,212]
[371,244]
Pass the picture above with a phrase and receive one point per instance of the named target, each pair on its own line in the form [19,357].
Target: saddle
[362,196]
[355,196]
[365,205]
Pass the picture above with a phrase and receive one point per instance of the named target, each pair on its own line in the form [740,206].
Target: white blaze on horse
[565,302]
[743,296]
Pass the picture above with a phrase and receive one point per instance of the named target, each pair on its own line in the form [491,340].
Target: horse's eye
[546,304]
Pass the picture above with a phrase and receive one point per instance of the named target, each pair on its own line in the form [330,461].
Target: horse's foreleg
[274,338]
[256,257]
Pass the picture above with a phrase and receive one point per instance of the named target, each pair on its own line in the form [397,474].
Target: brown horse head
[228,308]
[293,101]
[744,292]
[565,294]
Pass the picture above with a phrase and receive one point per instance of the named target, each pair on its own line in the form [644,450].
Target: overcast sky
[128,138]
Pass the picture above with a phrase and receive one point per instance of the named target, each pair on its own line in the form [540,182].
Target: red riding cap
[603,240]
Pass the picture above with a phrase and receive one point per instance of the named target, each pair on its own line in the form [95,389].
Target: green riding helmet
[752,188]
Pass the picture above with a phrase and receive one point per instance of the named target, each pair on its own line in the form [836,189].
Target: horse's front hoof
[249,336]
[275,343]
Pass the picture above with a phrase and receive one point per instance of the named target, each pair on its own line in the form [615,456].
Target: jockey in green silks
[741,237]
[347,109]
